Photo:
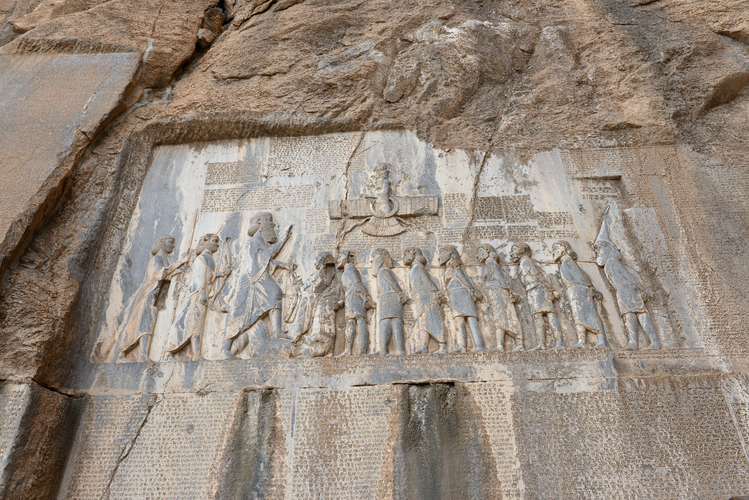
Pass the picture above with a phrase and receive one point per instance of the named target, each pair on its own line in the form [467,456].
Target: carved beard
[269,234]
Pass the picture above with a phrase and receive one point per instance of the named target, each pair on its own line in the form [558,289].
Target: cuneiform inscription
[237,172]
[258,198]
[455,206]
[291,156]
[351,439]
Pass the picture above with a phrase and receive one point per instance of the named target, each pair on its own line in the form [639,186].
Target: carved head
[486,251]
[448,253]
[263,222]
[520,250]
[562,248]
[413,254]
[381,258]
[324,259]
[209,242]
[165,243]
[345,257]
[605,253]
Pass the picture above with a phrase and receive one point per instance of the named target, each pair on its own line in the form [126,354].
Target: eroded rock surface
[524,120]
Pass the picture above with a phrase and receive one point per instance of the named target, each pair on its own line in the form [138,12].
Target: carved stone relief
[245,289]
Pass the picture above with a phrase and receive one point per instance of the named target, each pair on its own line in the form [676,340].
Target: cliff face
[522,120]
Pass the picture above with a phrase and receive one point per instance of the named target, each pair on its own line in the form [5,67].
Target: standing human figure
[189,321]
[427,298]
[541,296]
[463,296]
[501,298]
[390,304]
[631,293]
[358,302]
[581,294]
[257,295]
[136,330]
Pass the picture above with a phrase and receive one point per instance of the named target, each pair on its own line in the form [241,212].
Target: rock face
[309,249]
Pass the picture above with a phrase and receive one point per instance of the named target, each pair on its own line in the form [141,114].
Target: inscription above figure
[463,297]
[502,298]
[582,295]
[257,295]
[541,296]
[383,212]
[427,302]
[631,293]
[137,327]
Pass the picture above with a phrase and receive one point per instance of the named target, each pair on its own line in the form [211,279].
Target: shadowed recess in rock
[443,450]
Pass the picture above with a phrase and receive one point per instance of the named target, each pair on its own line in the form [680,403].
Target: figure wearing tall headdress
[427,300]
[631,293]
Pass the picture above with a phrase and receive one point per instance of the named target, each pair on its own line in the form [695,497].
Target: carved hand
[556,295]
[647,295]
[597,295]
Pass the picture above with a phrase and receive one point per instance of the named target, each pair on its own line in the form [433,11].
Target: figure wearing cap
[631,293]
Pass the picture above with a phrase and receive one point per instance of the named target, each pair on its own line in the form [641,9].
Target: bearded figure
[257,295]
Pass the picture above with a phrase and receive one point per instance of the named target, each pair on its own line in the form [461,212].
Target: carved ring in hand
[387,214]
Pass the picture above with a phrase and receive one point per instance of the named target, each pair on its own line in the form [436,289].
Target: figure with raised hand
[257,295]
[541,296]
[189,321]
[136,330]
[502,298]
[318,334]
[581,293]
[427,300]
[391,301]
[357,302]
[463,297]
[631,293]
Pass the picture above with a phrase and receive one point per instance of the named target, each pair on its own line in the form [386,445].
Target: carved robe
[579,290]
[391,295]
[356,293]
[320,326]
[141,308]
[190,318]
[499,290]
[461,291]
[628,286]
[257,292]
[425,291]
[537,287]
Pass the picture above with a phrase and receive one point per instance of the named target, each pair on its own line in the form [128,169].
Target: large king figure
[257,295]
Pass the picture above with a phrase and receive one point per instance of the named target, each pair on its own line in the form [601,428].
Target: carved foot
[168,357]
[379,353]
[517,348]
[282,334]
[198,357]
[560,345]
[480,349]
[458,350]
[423,350]
[580,343]
[398,353]
[145,359]
[346,352]
[631,347]
[537,347]
[653,346]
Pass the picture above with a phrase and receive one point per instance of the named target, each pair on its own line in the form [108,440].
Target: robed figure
[189,322]
[136,330]
[427,301]
[257,295]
